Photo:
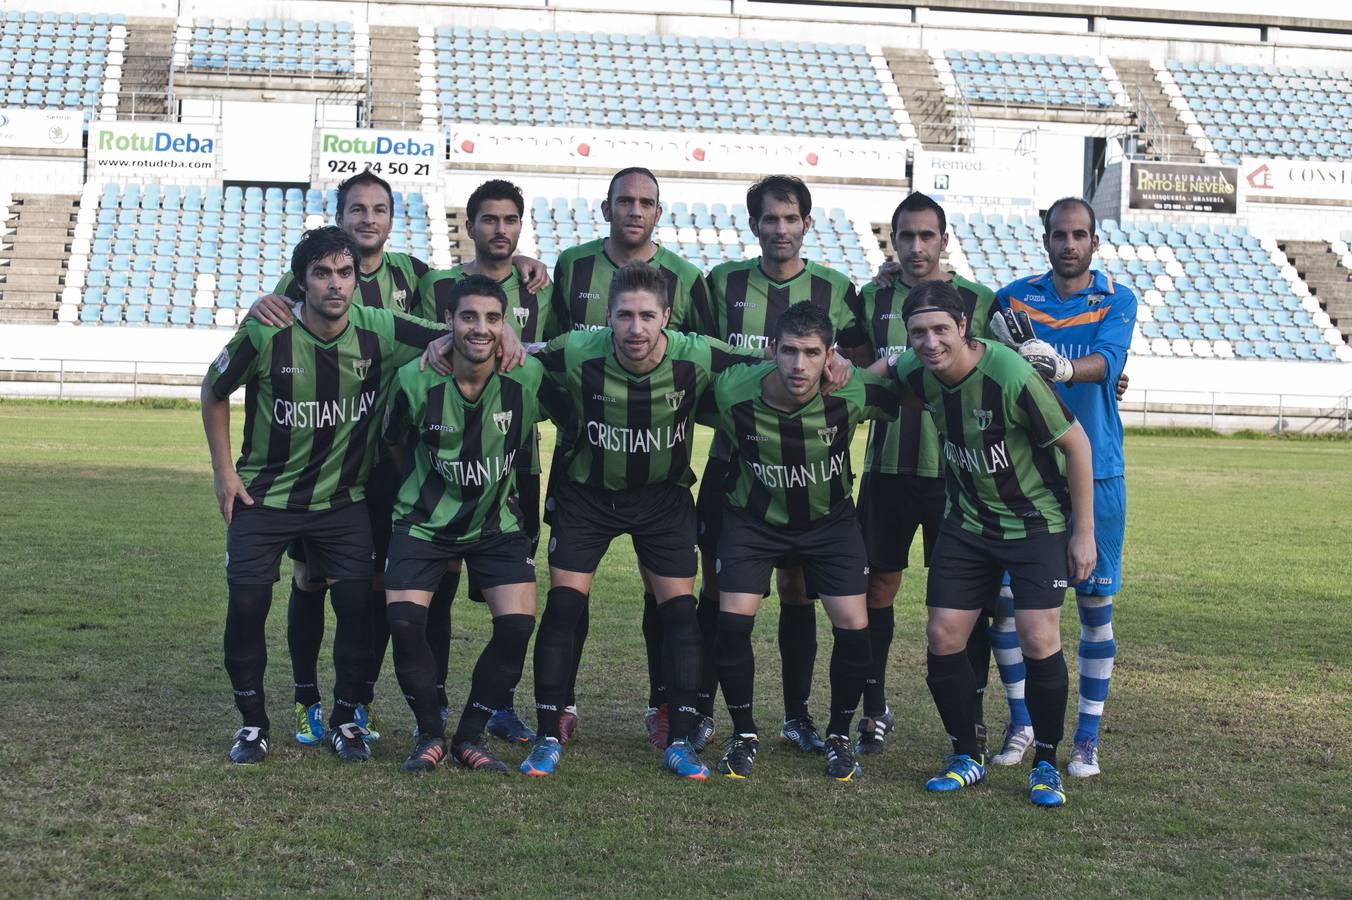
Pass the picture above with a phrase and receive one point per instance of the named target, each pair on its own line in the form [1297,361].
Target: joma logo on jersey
[744,304]
[360,367]
[889,316]
[674,399]
[439,427]
[503,420]
[293,370]
[588,295]
[828,434]
[604,399]
[522,315]
[983,418]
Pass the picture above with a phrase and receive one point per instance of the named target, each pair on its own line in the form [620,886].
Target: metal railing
[1287,412]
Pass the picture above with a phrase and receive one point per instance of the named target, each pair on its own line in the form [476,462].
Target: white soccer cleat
[1084,759]
[1018,738]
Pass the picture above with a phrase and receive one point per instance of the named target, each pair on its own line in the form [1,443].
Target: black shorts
[418,565]
[558,467]
[831,553]
[659,518]
[891,509]
[967,569]
[528,501]
[338,540]
[381,490]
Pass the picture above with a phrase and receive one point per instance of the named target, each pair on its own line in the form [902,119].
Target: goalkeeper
[1074,325]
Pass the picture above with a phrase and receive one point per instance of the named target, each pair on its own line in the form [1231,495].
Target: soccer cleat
[658,724]
[1044,786]
[349,742]
[840,761]
[872,733]
[506,725]
[444,712]
[309,723]
[682,760]
[737,759]
[1018,738]
[702,733]
[960,771]
[367,720]
[250,746]
[802,733]
[543,758]
[1084,759]
[426,756]
[567,724]
[474,755]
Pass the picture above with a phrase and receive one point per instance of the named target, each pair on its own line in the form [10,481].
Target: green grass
[1225,753]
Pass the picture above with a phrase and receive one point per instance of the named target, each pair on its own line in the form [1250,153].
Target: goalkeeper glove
[1049,364]
[1013,329]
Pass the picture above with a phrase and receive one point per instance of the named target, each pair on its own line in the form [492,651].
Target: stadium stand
[273,46]
[1325,266]
[1249,110]
[60,60]
[1038,80]
[676,83]
[171,255]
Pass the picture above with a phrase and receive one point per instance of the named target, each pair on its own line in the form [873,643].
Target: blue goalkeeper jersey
[1098,319]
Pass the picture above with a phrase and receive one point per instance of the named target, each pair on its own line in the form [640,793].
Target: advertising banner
[1183,187]
[975,178]
[393,155]
[677,151]
[1296,179]
[158,149]
[41,129]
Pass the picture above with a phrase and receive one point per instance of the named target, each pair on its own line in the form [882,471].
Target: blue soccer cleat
[1044,786]
[543,758]
[309,723]
[506,725]
[681,760]
[367,720]
[960,771]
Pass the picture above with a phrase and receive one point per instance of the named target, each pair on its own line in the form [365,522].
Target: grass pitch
[1225,747]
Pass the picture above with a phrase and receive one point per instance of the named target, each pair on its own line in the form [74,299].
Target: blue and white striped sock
[1095,658]
[1009,658]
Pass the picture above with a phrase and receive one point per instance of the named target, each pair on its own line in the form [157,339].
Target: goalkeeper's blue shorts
[1110,525]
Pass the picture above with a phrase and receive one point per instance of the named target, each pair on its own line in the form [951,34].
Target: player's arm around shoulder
[875,396]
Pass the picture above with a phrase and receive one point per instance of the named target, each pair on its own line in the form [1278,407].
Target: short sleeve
[237,362]
[724,356]
[850,331]
[411,336]
[398,413]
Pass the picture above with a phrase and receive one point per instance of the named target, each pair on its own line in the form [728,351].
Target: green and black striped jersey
[910,445]
[1005,480]
[747,304]
[308,438]
[629,431]
[531,315]
[582,288]
[461,486]
[793,468]
[394,285]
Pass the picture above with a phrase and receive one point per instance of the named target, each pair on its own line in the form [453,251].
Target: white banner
[677,151]
[158,149]
[1298,179]
[45,129]
[976,178]
[393,155]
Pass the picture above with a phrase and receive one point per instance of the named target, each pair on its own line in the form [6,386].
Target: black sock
[246,649]
[737,669]
[652,644]
[579,640]
[953,686]
[682,662]
[798,655]
[414,665]
[851,663]
[1047,691]
[979,652]
[496,673]
[439,631]
[304,635]
[554,655]
[379,633]
[351,648]
[707,612]
[881,625]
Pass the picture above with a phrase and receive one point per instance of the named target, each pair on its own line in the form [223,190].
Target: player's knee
[734,636]
[882,589]
[407,621]
[679,612]
[945,637]
[513,632]
[853,649]
[563,608]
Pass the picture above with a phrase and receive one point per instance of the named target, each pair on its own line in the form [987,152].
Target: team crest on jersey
[503,420]
[1096,299]
[397,297]
[983,418]
[360,367]
[828,434]
[223,361]
[674,399]
[522,315]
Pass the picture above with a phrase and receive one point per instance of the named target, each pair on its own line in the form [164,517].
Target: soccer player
[309,447]
[459,501]
[749,296]
[494,214]
[902,489]
[1081,325]
[582,278]
[790,496]
[1009,509]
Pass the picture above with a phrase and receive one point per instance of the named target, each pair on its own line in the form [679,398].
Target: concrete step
[26,267]
[30,299]
[27,317]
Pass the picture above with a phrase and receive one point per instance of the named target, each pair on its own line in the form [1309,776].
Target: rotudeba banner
[166,150]
[1183,187]
[397,156]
